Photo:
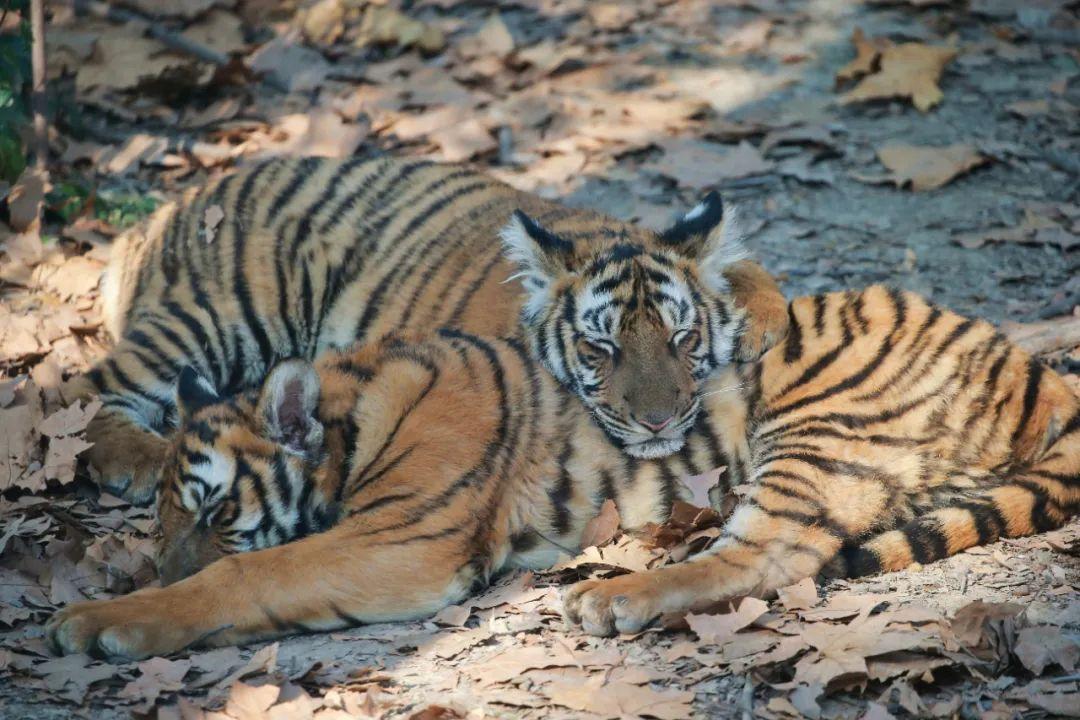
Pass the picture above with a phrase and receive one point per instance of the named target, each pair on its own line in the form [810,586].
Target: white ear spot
[696,212]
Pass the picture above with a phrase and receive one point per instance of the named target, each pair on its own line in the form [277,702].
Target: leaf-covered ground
[932,145]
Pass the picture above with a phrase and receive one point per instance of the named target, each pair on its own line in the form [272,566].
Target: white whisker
[729,388]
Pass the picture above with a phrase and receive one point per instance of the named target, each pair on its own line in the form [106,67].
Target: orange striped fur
[881,431]
[314,254]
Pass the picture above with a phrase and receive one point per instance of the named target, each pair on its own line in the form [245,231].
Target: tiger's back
[945,432]
[291,257]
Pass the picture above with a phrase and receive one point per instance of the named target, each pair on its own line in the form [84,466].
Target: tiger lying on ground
[882,431]
[317,253]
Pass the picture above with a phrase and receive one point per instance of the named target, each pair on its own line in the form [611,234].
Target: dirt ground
[971,198]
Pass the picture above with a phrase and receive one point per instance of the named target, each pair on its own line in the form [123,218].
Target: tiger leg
[1037,499]
[332,580]
[137,392]
[758,552]
[767,319]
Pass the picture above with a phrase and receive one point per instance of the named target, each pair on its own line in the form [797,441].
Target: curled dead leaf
[909,70]
[928,167]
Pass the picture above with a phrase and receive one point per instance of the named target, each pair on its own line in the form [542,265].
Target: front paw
[625,604]
[129,468]
[127,628]
[767,326]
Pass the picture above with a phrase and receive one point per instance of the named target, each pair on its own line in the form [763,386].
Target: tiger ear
[540,255]
[194,392]
[708,234]
[287,405]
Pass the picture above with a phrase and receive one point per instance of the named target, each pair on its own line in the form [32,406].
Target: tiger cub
[315,253]
[883,431]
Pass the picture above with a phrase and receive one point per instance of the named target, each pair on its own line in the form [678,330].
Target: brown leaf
[25,199]
[493,38]
[156,676]
[909,70]
[463,141]
[219,30]
[620,699]
[718,629]
[926,167]
[1038,647]
[800,596]
[212,217]
[452,615]
[61,458]
[700,485]
[513,662]
[867,52]
[71,676]
[611,16]
[323,22]
[697,164]
[298,67]
[602,528]
[320,132]
[70,420]
[250,702]
[123,58]
[383,25]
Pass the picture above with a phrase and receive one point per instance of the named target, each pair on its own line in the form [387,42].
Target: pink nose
[656,421]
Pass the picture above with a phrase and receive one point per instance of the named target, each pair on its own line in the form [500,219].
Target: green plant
[14,80]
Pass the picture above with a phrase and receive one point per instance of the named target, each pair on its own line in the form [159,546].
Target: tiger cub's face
[236,478]
[633,322]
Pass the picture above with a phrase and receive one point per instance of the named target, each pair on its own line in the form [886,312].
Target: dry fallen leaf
[927,167]
[463,141]
[212,217]
[909,70]
[867,53]
[382,25]
[603,527]
[620,699]
[1038,647]
[800,596]
[718,629]
[700,485]
[25,198]
[123,58]
[298,67]
[697,164]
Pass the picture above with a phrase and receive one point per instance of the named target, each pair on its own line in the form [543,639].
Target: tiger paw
[625,604]
[767,325]
[128,464]
[132,627]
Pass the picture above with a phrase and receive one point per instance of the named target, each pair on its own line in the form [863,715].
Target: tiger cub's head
[632,321]
[238,474]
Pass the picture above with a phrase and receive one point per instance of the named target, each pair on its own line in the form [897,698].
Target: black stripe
[1031,395]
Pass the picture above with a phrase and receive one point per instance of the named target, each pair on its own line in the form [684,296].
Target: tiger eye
[591,352]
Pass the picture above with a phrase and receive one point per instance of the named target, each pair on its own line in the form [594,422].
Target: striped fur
[882,431]
[314,254]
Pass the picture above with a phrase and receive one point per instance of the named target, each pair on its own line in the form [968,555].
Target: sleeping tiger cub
[316,253]
[881,432]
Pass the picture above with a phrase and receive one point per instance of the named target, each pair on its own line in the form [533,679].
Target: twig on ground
[37,97]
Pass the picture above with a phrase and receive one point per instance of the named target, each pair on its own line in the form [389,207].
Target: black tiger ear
[696,225]
[540,255]
[708,234]
[287,406]
[194,392]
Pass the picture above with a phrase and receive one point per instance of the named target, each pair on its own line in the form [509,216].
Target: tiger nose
[656,421]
